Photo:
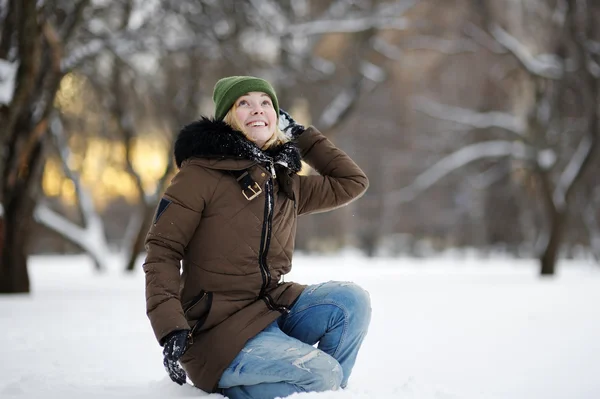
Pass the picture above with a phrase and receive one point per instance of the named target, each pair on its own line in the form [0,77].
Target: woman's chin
[259,135]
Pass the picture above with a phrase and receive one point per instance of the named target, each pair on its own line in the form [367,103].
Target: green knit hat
[229,89]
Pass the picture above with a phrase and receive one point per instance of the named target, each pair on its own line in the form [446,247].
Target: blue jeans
[281,359]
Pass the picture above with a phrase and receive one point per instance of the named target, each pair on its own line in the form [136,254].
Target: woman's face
[255,113]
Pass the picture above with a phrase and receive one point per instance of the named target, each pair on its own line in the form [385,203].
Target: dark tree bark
[18,222]
[23,132]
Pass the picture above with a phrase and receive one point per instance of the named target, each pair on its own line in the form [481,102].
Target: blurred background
[475,120]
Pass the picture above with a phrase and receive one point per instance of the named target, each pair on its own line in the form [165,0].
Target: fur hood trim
[209,138]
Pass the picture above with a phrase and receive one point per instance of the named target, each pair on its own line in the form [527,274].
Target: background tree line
[476,120]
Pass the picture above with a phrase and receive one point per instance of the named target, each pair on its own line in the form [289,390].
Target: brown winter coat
[234,250]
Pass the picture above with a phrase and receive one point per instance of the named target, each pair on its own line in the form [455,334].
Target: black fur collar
[207,138]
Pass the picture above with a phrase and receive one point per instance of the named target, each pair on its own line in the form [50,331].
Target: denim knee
[326,375]
[357,302]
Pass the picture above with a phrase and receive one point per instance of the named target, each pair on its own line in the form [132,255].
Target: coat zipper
[266,242]
[195,301]
[200,322]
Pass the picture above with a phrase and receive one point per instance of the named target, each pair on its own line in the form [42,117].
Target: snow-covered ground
[441,328]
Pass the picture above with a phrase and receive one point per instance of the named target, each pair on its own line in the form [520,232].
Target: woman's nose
[257,110]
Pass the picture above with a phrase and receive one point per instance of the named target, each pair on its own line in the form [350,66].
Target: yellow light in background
[75,161]
[101,165]
[52,178]
[101,162]
[149,161]
[68,192]
[69,94]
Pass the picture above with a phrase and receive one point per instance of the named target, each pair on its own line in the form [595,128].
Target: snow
[442,328]
[8,73]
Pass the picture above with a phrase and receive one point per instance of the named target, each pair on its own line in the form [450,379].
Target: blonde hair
[277,139]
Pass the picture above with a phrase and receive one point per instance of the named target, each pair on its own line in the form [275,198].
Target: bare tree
[541,136]
[42,42]
[34,40]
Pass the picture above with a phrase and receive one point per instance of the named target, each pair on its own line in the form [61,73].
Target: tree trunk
[18,219]
[138,244]
[550,254]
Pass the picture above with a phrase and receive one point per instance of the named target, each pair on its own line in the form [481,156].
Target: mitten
[289,126]
[175,346]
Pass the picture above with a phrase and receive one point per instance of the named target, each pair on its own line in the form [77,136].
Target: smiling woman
[229,219]
[254,115]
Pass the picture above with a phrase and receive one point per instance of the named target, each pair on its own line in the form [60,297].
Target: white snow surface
[442,328]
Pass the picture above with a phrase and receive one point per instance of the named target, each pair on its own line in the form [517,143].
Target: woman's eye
[266,102]
[243,102]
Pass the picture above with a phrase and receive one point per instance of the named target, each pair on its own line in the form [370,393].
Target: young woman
[230,215]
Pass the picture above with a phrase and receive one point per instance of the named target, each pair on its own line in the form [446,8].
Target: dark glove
[289,126]
[175,346]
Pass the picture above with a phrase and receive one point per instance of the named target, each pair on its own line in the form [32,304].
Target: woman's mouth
[256,124]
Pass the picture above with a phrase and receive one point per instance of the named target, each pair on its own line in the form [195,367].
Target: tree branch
[572,171]
[544,65]
[460,158]
[74,18]
[483,38]
[354,25]
[90,238]
[29,50]
[464,116]
[272,14]
[384,17]
[439,44]
[8,75]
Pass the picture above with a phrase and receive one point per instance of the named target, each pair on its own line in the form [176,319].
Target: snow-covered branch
[441,45]
[386,16]
[372,72]
[593,67]
[460,158]
[482,38]
[337,108]
[8,75]
[388,50]
[544,65]
[422,42]
[323,65]
[87,50]
[121,44]
[559,16]
[480,120]
[593,46]
[572,170]
[485,179]
[271,13]
[354,25]
[91,238]
[340,105]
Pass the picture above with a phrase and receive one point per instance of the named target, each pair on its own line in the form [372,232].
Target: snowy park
[443,155]
[442,328]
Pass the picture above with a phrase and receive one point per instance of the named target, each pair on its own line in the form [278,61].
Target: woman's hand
[289,126]
[175,347]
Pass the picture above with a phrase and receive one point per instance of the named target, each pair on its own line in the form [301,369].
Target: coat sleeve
[173,225]
[339,182]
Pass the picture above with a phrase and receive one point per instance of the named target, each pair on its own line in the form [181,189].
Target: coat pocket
[196,311]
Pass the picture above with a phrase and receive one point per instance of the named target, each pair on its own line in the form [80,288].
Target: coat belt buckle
[256,191]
